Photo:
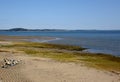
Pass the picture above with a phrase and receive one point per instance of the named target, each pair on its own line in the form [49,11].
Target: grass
[66,53]
[101,61]
[45,45]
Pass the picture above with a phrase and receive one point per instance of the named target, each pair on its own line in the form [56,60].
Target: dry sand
[36,69]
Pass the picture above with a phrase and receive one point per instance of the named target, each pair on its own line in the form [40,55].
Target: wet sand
[26,38]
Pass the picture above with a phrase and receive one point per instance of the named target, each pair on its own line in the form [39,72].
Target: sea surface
[95,41]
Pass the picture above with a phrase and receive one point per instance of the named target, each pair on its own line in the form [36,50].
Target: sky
[60,14]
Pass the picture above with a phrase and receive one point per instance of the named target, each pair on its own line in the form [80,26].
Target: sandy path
[34,69]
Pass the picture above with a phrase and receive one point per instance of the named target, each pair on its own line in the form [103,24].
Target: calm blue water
[96,41]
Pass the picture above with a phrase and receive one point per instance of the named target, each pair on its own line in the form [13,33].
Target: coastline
[44,60]
[44,39]
[26,38]
[96,41]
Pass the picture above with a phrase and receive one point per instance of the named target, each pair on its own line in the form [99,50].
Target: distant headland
[24,29]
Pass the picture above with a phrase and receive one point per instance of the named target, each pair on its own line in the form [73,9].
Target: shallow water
[96,41]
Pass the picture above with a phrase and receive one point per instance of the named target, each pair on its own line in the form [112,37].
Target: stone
[9,62]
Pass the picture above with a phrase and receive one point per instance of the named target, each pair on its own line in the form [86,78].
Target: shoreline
[44,60]
[44,39]
[108,43]
[25,38]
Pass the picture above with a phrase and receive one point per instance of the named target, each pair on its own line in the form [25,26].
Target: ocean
[95,41]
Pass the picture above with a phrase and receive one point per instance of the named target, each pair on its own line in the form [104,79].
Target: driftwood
[9,62]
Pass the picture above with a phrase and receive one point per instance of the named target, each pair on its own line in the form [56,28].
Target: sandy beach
[59,40]
[37,69]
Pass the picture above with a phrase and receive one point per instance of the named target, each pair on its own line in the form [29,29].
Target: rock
[4,66]
[9,62]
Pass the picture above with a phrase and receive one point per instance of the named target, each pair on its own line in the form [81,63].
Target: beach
[36,69]
[59,41]
[46,68]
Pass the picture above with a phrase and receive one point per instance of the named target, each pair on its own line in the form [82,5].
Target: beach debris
[115,72]
[9,62]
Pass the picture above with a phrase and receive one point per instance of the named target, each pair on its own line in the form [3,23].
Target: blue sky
[60,14]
